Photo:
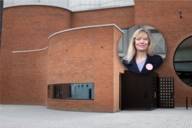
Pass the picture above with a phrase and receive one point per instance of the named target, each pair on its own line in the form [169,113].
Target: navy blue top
[154,60]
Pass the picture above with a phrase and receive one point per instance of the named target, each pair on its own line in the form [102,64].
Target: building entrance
[138,91]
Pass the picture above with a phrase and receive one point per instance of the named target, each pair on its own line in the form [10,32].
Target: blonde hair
[131,51]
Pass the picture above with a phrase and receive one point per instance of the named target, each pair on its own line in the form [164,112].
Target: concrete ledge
[85,27]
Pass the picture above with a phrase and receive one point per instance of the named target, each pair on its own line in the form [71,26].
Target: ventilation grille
[166,92]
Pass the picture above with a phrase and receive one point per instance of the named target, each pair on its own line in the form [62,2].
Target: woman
[140,57]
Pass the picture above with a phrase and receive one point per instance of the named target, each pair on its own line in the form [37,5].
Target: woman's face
[142,42]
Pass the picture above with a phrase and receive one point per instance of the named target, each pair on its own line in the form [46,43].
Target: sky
[72,4]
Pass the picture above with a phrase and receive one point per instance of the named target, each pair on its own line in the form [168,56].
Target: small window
[74,91]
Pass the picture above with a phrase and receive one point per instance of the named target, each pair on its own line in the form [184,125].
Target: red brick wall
[27,27]
[0,79]
[164,15]
[84,55]
[0,73]
[117,69]
[24,75]
[122,17]
[28,24]
[26,79]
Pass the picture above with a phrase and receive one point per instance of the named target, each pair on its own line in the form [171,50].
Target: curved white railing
[30,50]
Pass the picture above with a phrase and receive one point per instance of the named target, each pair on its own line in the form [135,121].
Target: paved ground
[19,116]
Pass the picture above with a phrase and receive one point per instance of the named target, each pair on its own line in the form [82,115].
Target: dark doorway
[138,91]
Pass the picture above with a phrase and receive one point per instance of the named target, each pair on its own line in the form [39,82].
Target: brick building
[45,45]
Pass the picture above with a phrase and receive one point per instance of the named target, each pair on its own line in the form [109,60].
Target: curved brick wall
[86,55]
[122,17]
[26,28]
[164,15]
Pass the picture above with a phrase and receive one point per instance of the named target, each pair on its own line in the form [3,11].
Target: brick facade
[174,27]
[26,28]
[25,75]
[85,55]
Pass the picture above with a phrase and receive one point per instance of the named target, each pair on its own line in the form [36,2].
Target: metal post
[186,102]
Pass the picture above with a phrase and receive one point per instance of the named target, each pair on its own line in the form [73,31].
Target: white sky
[72,4]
